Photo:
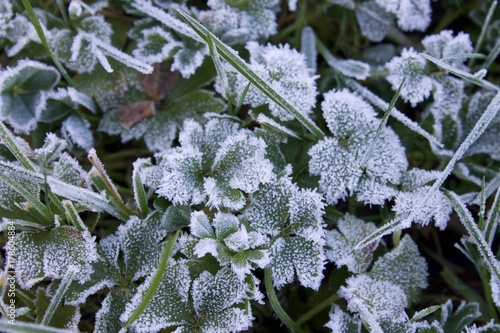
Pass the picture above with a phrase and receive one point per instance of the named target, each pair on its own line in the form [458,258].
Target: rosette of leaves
[230,242]
[273,63]
[379,296]
[237,22]
[345,163]
[292,218]
[217,162]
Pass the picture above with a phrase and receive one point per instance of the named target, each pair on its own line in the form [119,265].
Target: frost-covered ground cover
[249,166]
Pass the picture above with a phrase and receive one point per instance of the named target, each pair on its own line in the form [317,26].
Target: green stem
[57,299]
[317,309]
[275,304]
[45,43]
[167,251]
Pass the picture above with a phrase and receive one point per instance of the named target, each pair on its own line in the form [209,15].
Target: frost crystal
[410,67]
[286,71]
[338,160]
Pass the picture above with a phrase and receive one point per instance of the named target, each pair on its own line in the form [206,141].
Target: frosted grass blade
[492,219]
[476,234]
[59,294]
[239,64]
[398,115]
[8,139]
[476,79]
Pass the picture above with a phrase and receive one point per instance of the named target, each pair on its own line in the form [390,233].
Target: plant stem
[45,43]
[275,304]
[317,309]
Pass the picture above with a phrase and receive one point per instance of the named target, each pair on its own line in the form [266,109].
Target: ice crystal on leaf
[412,15]
[286,71]
[231,243]
[410,66]
[48,254]
[338,160]
[404,267]
[373,20]
[156,45]
[281,208]
[374,300]
[219,163]
[452,50]
[340,244]
[341,322]
[24,91]
[237,22]
[76,129]
[211,303]
[424,206]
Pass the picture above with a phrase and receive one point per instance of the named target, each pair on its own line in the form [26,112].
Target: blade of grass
[220,72]
[9,140]
[493,219]
[162,266]
[484,29]
[43,39]
[140,197]
[59,294]
[239,64]
[398,115]
[475,233]
[462,74]
[492,55]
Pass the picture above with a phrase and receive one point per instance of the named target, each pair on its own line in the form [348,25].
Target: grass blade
[475,234]
[493,219]
[239,64]
[57,298]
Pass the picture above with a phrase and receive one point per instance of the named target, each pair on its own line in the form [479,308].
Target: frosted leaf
[107,319]
[5,17]
[414,15]
[338,160]
[434,206]
[296,255]
[21,33]
[373,20]
[76,129]
[156,45]
[141,244]
[391,6]
[418,177]
[217,298]
[449,48]
[268,209]
[169,306]
[51,150]
[286,71]
[241,22]
[340,244]
[67,169]
[182,181]
[239,165]
[374,300]
[23,91]
[231,242]
[341,322]
[305,214]
[456,321]
[495,290]
[410,66]
[188,58]
[352,68]
[403,266]
[48,254]
[67,246]
[448,95]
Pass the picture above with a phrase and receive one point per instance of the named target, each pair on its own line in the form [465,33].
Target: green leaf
[55,313]
[108,316]
[175,217]
[425,312]
[230,56]
[463,316]
[341,322]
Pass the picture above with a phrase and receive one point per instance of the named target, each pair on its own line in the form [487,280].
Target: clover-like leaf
[107,319]
[410,67]
[23,93]
[340,244]
[48,254]
[374,300]
[341,322]
[141,244]
[373,20]
[403,266]
[449,48]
